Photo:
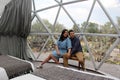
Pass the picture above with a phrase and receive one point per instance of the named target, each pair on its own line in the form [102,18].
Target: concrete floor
[51,71]
[109,69]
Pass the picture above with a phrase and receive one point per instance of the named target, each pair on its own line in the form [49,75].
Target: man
[75,51]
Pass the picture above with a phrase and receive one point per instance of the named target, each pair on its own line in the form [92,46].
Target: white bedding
[3,74]
[28,77]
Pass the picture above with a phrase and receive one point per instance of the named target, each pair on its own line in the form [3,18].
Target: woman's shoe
[39,67]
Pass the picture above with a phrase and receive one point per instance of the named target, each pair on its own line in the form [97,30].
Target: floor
[108,69]
[52,71]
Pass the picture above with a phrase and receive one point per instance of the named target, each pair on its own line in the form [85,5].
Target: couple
[66,47]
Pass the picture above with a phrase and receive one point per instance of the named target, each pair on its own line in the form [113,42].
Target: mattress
[3,75]
[28,77]
[14,66]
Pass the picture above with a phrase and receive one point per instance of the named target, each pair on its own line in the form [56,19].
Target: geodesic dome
[64,8]
[55,10]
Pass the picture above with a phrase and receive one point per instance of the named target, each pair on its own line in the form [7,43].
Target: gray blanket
[14,67]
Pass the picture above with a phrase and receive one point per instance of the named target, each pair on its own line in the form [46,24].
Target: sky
[2,5]
[79,11]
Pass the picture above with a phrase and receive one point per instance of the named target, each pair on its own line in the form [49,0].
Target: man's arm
[76,45]
[69,51]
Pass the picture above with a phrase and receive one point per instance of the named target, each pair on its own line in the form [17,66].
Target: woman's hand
[58,52]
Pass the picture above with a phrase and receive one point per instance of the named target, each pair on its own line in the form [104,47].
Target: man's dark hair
[70,31]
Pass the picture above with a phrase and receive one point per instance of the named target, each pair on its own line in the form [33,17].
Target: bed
[28,77]
[13,67]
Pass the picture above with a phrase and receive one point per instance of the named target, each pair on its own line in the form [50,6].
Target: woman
[62,46]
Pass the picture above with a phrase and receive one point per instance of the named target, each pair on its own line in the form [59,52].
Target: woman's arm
[69,46]
[57,50]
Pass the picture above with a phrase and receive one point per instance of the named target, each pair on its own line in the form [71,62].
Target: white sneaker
[39,67]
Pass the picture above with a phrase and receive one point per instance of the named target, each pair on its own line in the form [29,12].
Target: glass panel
[37,26]
[98,46]
[2,5]
[99,22]
[49,17]
[36,42]
[113,8]
[40,4]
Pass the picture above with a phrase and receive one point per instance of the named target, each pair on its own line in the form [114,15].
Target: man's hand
[68,55]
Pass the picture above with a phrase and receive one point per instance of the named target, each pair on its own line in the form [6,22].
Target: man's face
[72,34]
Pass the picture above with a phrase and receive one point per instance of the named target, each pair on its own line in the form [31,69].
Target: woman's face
[65,34]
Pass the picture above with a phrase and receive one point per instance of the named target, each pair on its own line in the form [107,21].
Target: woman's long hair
[62,38]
